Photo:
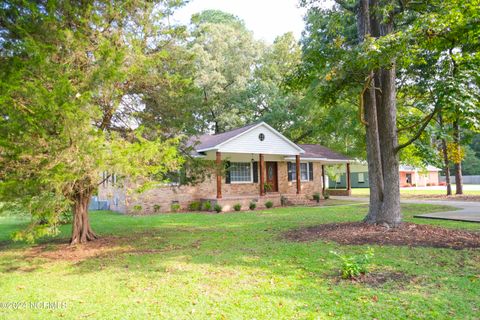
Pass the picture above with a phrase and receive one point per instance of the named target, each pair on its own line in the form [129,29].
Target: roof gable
[246,140]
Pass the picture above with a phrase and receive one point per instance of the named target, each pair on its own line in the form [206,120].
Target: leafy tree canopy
[74,77]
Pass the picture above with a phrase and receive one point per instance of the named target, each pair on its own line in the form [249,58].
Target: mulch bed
[464,197]
[407,234]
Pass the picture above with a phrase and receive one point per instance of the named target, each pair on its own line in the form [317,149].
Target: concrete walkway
[467,210]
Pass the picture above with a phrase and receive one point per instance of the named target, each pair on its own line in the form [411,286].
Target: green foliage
[217,17]
[72,80]
[471,163]
[326,195]
[316,197]
[175,207]
[156,208]
[194,206]
[217,208]
[252,205]
[269,204]
[207,206]
[267,187]
[237,207]
[435,47]
[355,265]
[224,57]
[137,208]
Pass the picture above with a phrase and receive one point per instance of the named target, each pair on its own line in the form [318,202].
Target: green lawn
[415,192]
[235,266]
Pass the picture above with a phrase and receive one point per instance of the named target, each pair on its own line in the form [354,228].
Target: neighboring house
[256,156]
[419,177]
[409,176]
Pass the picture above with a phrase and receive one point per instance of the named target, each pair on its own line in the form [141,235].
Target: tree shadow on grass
[250,253]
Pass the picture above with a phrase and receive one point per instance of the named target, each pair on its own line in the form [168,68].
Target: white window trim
[308,172]
[251,174]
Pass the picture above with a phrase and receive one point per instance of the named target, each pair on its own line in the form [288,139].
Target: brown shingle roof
[318,151]
[209,141]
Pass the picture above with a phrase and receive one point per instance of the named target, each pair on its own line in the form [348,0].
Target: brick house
[262,165]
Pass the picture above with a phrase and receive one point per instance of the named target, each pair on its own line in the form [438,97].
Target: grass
[415,192]
[235,266]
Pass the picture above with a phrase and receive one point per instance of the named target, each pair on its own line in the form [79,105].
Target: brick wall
[307,187]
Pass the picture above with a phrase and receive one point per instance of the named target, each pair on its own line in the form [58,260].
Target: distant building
[409,177]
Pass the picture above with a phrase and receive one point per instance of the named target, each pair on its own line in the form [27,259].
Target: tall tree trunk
[387,116]
[380,107]
[446,162]
[370,111]
[458,161]
[373,155]
[81,230]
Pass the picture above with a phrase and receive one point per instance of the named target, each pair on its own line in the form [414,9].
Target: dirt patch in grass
[408,234]
[379,278]
[136,244]
[78,252]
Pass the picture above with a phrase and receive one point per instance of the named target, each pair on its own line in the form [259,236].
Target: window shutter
[255,171]
[289,171]
[310,171]
[227,172]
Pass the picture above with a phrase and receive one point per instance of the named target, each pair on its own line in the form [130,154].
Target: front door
[272,180]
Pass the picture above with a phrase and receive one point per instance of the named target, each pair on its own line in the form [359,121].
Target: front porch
[281,174]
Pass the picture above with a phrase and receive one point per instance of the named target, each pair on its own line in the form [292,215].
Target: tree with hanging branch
[75,76]
[361,47]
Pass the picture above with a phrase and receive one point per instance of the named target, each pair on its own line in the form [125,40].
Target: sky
[266,18]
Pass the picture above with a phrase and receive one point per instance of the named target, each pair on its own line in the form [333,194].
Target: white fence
[466,179]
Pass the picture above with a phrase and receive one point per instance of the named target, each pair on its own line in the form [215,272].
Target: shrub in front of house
[206,206]
[156,208]
[137,208]
[175,207]
[252,205]
[269,204]
[217,208]
[195,206]
[316,197]
[326,195]
[283,201]
[237,207]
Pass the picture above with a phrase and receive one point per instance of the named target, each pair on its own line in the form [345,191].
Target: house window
[304,171]
[361,177]
[240,172]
